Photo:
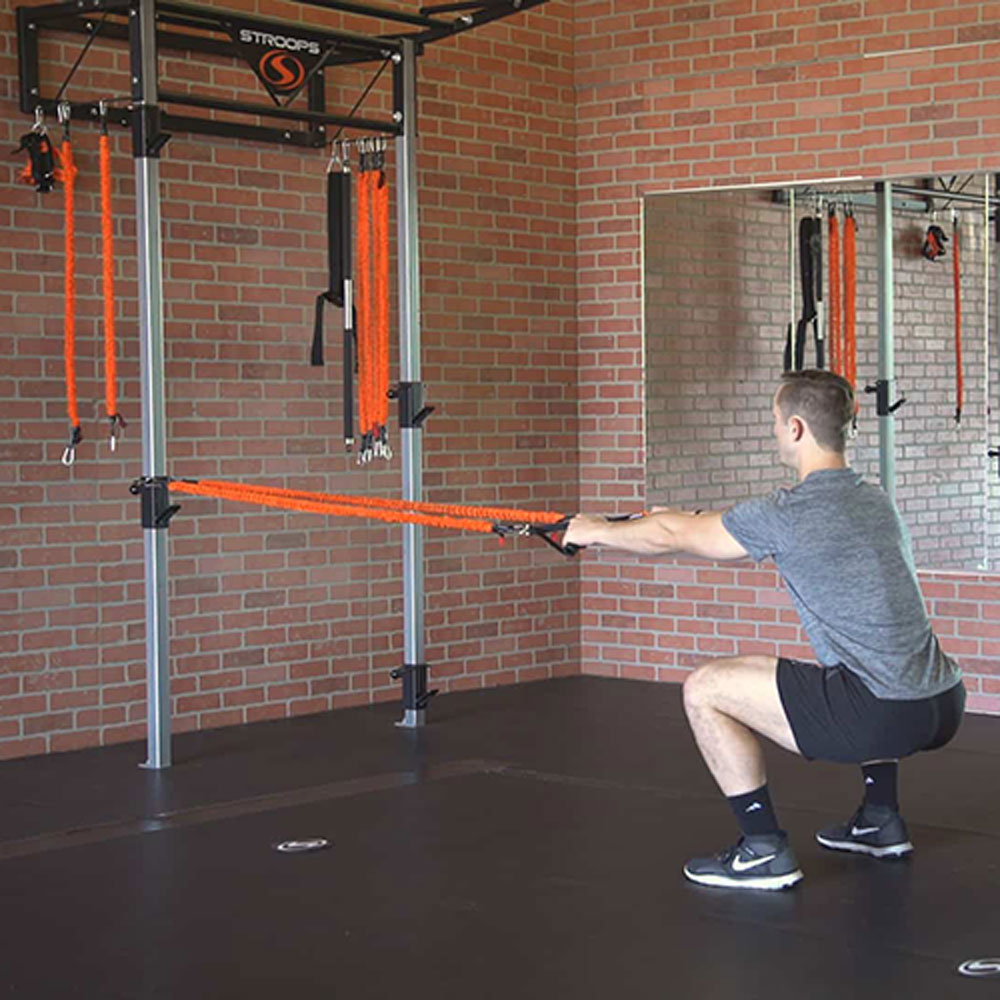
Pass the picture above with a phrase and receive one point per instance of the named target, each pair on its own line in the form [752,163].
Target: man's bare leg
[727,703]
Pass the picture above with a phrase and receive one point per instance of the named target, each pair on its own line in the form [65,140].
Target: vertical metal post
[414,672]
[992,450]
[984,563]
[886,339]
[146,143]
[792,272]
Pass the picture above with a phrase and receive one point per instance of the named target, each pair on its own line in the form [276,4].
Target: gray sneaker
[879,833]
[753,863]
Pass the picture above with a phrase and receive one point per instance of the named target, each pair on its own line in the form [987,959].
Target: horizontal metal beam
[379,47]
[45,12]
[269,111]
[378,11]
[938,194]
[234,130]
[487,13]
[73,22]
[311,139]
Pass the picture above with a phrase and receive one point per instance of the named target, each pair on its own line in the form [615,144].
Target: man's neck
[818,461]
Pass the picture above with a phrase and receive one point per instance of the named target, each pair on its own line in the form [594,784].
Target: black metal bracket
[148,137]
[881,390]
[414,677]
[995,453]
[412,412]
[154,494]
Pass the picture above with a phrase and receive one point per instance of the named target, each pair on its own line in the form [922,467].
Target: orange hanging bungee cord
[850,354]
[836,333]
[362,283]
[381,310]
[372,295]
[66,174]
[108,277]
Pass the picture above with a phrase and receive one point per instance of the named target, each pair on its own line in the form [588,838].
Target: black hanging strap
[334,294]
[816,252]
[810,278]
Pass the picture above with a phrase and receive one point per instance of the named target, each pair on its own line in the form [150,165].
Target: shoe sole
[767,882]
[853,847]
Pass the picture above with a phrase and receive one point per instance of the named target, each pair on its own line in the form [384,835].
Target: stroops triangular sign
[283,62]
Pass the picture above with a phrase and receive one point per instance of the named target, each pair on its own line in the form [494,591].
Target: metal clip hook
[69,454]
[64,113]
[39,125]
[118,426]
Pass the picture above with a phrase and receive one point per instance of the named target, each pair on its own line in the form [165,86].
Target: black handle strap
[546,531]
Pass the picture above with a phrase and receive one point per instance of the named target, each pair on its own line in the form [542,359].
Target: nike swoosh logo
[743,866]
[860,831]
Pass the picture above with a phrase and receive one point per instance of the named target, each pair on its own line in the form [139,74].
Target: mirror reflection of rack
[721,283]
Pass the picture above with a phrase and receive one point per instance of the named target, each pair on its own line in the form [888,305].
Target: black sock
[880,784]
[754,812]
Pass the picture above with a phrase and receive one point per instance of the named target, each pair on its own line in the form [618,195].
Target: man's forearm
[655,534]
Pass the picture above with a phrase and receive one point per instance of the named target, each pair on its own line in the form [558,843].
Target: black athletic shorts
[835,717]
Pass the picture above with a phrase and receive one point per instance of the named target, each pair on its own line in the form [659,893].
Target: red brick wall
[735,92]
[541,135]
[276,614]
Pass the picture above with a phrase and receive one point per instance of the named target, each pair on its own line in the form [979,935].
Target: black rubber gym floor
[527,843]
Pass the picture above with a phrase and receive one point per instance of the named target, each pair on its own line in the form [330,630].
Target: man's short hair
[825,401]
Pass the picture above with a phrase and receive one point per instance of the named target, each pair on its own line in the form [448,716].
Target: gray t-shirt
[845,557]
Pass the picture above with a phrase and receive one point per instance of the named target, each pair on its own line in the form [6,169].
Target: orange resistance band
[363,301]
[372,296]
[381,264]
[850,359]
[836,333]
[956,274]
[212,487]
[66,174]
[108,271]
[320,506]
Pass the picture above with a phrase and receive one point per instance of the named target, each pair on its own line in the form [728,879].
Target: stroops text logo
[250,37]
[980,967]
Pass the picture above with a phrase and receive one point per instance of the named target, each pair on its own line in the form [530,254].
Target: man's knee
[699,684]
[718,680]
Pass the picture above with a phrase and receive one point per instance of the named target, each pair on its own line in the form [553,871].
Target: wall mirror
[729,273]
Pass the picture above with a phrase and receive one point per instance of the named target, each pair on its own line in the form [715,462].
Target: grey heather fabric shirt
[845,557]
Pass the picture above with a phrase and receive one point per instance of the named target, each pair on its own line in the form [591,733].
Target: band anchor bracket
[881,390]
[414,678]
[154,494]
[412,412]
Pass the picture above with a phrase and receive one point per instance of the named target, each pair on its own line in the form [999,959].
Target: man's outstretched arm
[657,534]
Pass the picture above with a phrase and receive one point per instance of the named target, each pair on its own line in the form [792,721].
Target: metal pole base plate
[413,718]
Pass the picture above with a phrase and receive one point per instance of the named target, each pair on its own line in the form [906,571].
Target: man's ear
[798,428]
